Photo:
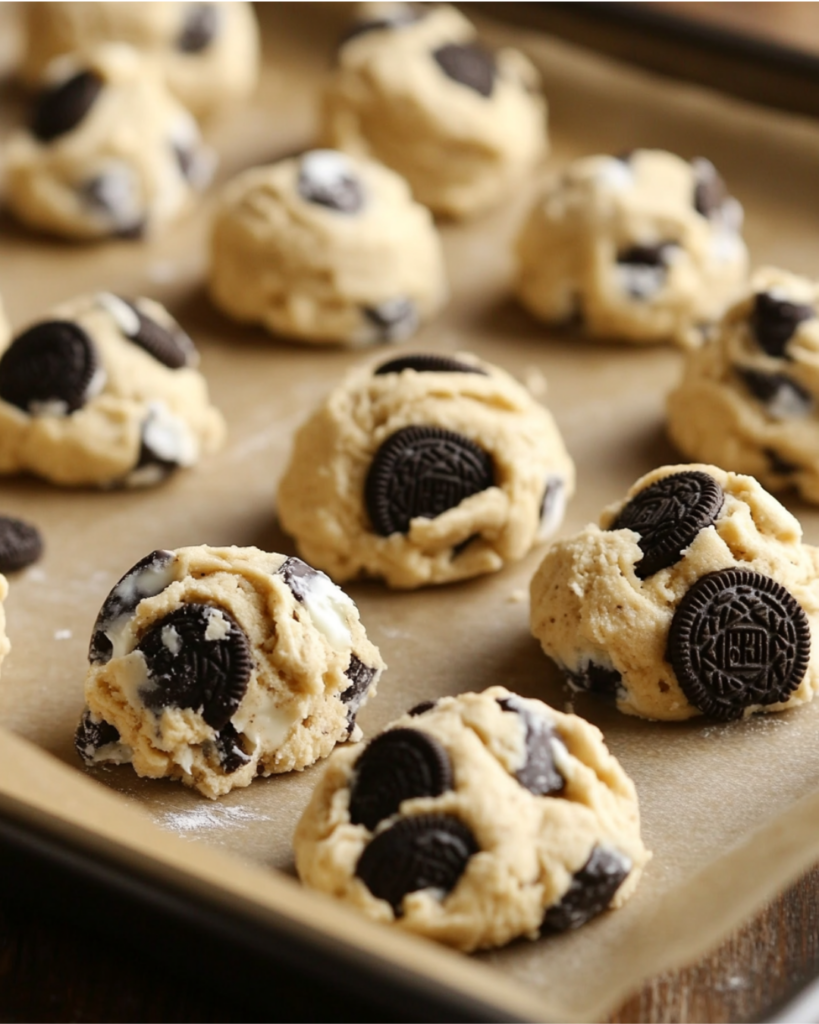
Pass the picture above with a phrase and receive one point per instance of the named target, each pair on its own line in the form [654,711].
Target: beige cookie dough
[416,90]
[104,392]
[5,330]
[215,665]
[108,150]
[5,644]
[641,248]
[208,52]
[326,248]
[749,401]
[474,821]
[621,609]
[422,470]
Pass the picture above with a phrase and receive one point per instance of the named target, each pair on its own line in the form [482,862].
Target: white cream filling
[125,317]
[264,723]
[329,607]
[218,626]
[148,582]
[554,506]
[168,436]
[171,639]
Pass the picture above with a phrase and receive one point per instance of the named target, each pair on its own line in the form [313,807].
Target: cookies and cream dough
[415,89]
[215,665]
[474,820]
[5,645]
[326,248]
[749,401]
[645,247]
[208,52]
[5,330]
[104,391]
[424,469]
[694,596]
[107,152]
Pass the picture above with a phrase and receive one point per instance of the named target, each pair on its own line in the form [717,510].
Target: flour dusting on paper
[207,818]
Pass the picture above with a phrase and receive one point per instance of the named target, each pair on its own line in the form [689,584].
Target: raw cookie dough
[474,820]
[425,469]
[326,248]
[108,150]
[695,596]
[5,645]
[749,401]
[642,248]
[416,90]
[5,330]
[208,52]
[105,391]
[215,665]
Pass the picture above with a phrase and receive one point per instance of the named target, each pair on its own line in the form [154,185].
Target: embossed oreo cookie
[51,368]
[199,29]
[197,657]
[591,890]
[325,178]
[20,544]
[59,109]
[423,363]
[738,639]
[426,851]
[539,773]
[774,322]
[396,766]
[668,515]
[423,471]
[469,64]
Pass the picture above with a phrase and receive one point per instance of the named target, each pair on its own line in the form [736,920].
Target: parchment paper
[730,811]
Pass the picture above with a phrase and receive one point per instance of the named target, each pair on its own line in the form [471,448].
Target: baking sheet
[730,811]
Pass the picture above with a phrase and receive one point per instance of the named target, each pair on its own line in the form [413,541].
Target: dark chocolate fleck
[20,544]
[422,708]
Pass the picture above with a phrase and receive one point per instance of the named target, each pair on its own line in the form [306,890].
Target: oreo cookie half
[52,368]
[539,773]
[20,544]
[325,178]
[423,471]
[668,515]
[59,109]
[423,363]
[469,64]
[590,892]
[774,322]
[426,851]
[738,639]
[200,28]
[396,766]
[229,749]
[172,348]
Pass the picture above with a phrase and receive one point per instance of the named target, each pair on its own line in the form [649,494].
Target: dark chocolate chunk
[20,544]
[427,364]
[422,708]
[114,194]
[469,64]
[229,749]
[738,639]
[668,515]
[60,108]
[427,851]
[423,471]
[774,321]
[596,679]
[394,318]
[590,892]
[784,397]
[458,549]
[644,255]
[325,178]
[539,774]
[779,465]
[92,733]
[199,29]
[145,579]
[361,677]
[49,368]
[709,188]
[171,347]
[186,669]
[297,576]
[397,765]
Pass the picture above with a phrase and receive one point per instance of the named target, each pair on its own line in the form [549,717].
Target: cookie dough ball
[425,469]
[215,665]
[750,399]
[474,820]
[642,248]
[108,151]
[696,596]
[326,248]
[208,52]
[104,392]
[416,90]
[5,645]
[5,330]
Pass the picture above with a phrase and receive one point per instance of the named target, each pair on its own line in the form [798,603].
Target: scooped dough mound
[422,470]
[5,645]
[645,247]
[695,596]
[215,665]
[474,820]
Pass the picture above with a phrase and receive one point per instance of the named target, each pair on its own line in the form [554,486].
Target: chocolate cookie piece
[229,749]
[404,14]
[423,363]
[361,677]
[20,544]
[200,28]
[709,188]
[469,64]
[782,397]
[668,515]
[92,733]
[591,890]
[172,348]
[779,465]
[397,765]
[423,471]
[115,195]
[596,679]
[539,774]
[197,657]
[297,575]
[394,318]
[643,269]
[422,708]
[774,322]
[325,178]
[426,851]
[60,108]
[738,639]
